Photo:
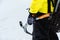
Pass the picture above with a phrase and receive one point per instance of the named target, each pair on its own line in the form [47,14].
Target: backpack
[55,20]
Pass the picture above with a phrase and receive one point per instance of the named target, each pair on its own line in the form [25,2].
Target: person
[41,28]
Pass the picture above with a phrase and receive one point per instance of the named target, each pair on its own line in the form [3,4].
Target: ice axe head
[20,23]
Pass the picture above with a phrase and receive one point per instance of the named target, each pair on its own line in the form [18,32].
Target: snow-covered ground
[11,12]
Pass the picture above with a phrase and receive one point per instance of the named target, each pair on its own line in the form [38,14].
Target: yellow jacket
[40,6]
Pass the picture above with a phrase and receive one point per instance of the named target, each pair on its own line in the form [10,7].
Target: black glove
[31,19]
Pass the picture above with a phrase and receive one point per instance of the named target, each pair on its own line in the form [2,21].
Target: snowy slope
[11,12]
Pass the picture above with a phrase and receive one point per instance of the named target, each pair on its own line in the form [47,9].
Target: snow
[11,12]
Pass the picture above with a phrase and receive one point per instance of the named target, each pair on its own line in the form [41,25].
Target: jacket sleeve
[35,6]
[52,7]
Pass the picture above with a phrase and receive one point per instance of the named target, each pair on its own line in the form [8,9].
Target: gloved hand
[31,19]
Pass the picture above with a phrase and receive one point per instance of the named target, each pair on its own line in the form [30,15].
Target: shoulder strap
[49,6]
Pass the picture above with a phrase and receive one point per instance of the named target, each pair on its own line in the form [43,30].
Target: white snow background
[11,12]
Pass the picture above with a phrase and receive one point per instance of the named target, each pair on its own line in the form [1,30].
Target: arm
[44,16]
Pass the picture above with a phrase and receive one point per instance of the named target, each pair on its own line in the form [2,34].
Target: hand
[30,19]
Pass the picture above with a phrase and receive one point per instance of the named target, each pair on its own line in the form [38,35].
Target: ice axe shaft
[24,27]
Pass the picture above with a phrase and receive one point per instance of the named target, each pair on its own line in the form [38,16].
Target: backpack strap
[49,6]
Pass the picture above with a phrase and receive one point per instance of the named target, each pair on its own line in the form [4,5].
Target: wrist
[32,14]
